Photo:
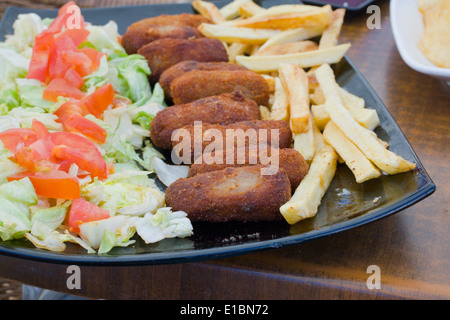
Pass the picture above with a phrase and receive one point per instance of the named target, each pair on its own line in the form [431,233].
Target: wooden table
[411,248]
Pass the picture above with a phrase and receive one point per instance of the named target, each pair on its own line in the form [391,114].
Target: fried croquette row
[290,160]
[163,53]
[248,134]
[196,76]
[231,194]
[167,40]
[181,26]
[223,109]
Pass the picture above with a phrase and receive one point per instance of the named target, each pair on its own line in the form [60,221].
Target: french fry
[362,168]
[208,10]
[287,9]
[287,48]
[368,118]
[349,100]
[249,9]
[236,49]
[295,83]
[320,115]
[307,198]
[231,10]
[236,34]
[304,142]
[264,112]
[280,105]
[264,64]
[321,16]
[270,81]
[369,145]
[288,36]
[254,49]
[331,33]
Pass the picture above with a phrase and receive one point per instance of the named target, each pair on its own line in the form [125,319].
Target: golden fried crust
[163,53]
[190,65]
[240,134]
[289,159]
[182,26]
[232,194]
[198,84]
[224,109]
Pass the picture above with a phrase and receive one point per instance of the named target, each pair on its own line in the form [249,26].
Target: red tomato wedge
[67,109]
[74,78]
[88,128]
[60,87]
[15,139]
[56,184]
[97,102]
[57,66]
[42,49]
[39,129]
[68,12]
[79,150]
[78,36]
[82,211]
[94,55]
[79,61]
[31,157]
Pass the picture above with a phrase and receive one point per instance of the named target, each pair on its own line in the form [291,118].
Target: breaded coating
[289,159]
[163,53]
[232,194]
[181,26]
[235,135]
[190,65]
[202,83]
[223,109]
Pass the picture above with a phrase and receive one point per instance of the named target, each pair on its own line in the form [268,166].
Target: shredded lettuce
[104,38]
[163,224]
[127,192]
[26,28]
[12,66]
[168,173]
[15,199]
[108,233]
[135,203]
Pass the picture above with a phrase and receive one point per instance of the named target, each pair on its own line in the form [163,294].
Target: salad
[75,157]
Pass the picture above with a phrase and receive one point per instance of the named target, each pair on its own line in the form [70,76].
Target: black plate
[346,205]
[351,5]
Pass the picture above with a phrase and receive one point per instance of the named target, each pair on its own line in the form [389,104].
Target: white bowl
[407,27]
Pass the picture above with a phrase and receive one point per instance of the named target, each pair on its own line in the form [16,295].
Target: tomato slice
[64,14]
[60,87]
[78,36]
[39,129]
[56,184]
[90,129]
[43,46]
[98,101]
[31,157]
[85,161]
[79,61]
[74,78]
[57,65]
[82,211]
[79,150]
[67,109]
[94,55]
[15,139]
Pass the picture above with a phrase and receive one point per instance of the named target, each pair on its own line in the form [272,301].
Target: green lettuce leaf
[15,199]
[163,224]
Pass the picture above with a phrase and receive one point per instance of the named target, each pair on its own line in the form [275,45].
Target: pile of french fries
[329,124]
